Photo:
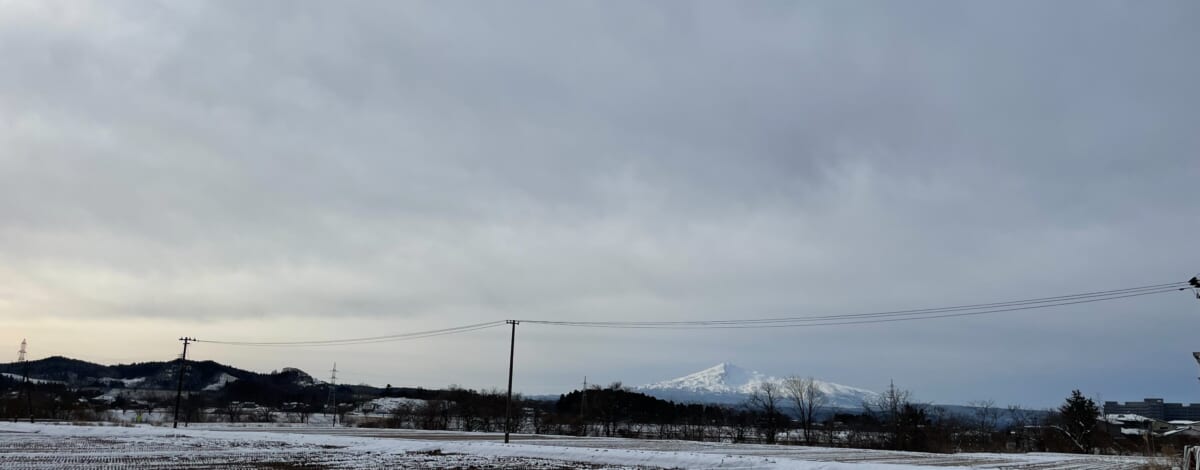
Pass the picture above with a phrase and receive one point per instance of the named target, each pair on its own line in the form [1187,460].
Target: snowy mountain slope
[222,380]
[127,383]
[729,384]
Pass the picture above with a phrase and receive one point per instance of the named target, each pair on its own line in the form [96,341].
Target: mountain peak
[729,383]
[722,368]
[725,373]
[722,378]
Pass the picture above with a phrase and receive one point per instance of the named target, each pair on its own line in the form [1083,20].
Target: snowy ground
[48,446]
[26,446]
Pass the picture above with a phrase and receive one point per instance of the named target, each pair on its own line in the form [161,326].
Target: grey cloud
[457,162]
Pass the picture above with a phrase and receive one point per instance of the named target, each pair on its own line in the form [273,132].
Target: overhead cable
[788,322]
[366,340]
[880,317]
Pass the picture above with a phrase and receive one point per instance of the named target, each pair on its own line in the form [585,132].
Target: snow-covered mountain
[729,384]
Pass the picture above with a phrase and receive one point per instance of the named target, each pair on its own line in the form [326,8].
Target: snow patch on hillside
[387,405]
[127,383]
[222,380]
[19,377]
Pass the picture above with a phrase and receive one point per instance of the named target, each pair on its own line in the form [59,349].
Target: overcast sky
[313,170]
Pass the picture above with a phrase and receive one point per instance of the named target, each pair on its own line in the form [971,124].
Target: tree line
[793,412]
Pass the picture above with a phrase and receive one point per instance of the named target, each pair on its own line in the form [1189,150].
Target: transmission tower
[332,405]
[25,380]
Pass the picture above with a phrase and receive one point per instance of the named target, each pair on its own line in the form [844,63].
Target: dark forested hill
[201,375]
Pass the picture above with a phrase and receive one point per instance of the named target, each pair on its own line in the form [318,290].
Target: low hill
[201,375]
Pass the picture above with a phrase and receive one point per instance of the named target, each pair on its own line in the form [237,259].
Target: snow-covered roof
[1125,418]
[1187,431]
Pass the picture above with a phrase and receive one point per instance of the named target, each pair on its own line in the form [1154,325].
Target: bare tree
[986,420]
[401,415]
[293,411]
[888,404]
[233,411]
[766,399]
[146,410]
[1019,422]
[888,408]
[808,397]
[343,409]
[265,414]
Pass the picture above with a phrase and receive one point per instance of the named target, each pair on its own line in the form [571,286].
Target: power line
[366,340]
[792,321]
[822,321]
[879,317]
[1043,300]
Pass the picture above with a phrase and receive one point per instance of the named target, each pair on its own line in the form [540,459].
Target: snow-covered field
[50,446]
[26,446]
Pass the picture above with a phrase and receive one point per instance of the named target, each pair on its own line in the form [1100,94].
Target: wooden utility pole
[179,390]
[512,345]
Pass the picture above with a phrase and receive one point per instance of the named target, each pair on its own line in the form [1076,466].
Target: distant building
[1154,408]
[1135,425]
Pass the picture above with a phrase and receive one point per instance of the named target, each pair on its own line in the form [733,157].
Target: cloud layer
[283,170]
